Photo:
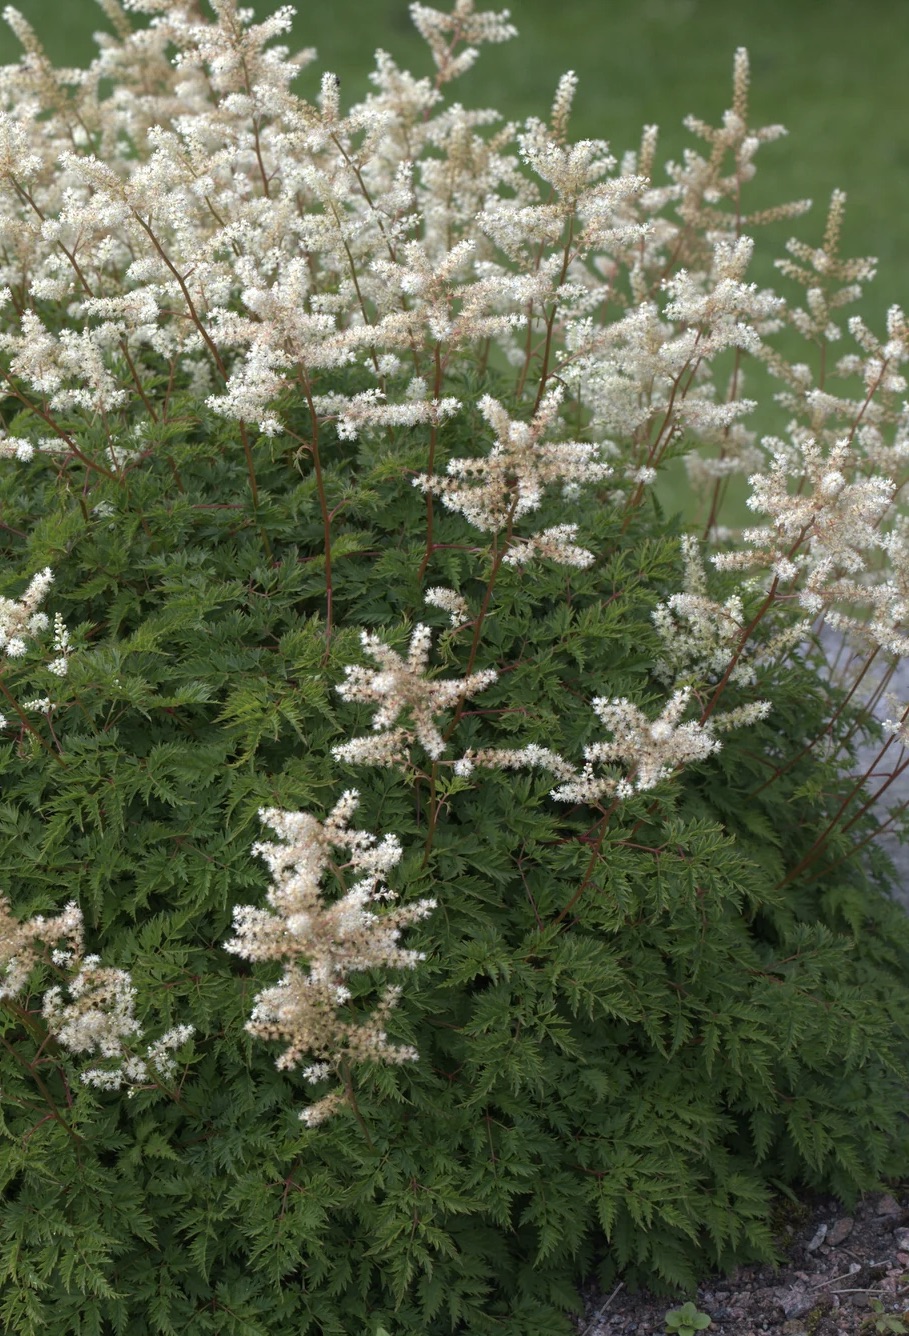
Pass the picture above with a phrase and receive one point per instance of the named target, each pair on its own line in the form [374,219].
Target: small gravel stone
[840,1231]
[888,1205]
[795,1303]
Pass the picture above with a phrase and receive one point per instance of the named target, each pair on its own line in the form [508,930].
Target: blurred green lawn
[832,71]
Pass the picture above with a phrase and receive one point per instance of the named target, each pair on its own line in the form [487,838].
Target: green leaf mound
[613,1083]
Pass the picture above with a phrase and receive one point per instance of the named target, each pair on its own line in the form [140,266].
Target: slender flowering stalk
[323,942]
[21,623]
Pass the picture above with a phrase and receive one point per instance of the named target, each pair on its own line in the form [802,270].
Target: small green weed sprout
[887,1324]
[687,1320]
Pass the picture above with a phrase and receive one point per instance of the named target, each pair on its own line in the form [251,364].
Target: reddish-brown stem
[433,437]
[869,707]
[498,554]
[262,171]
[149,407]
[635,499]
[288,1183]
[187,296]
[58,431]
[594,859]
[868,397]
[525,368]
[497,557]
[739,650]
[550,322]
[41,1036]
[30,727]
[45,1093]
[822,839]
[528,352]
[831,867]
[77,268]
[356,283]
[872,801]
[313,446]
[352,1100]
[782,770]
[365,192]
[746,634]
[719,486]
[213,349]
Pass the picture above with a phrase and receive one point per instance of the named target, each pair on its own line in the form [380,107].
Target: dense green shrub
[639,1017]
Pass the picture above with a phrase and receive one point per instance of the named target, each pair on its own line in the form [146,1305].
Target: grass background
[832,71]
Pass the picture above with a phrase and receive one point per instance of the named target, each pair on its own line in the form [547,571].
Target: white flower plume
[648,749]
[509,481]
[821,534]
[402,685]
[21,942]
[332,939]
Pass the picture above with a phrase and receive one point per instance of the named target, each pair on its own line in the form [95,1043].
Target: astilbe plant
[328,442]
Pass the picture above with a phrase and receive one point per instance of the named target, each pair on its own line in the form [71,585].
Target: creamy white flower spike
[323,941]
[450,601]
[649,751]
[822,530]
[22,942]
[509,482]
[402,685]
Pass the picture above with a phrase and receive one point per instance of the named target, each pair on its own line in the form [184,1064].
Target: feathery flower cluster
[20,621]
[443,31]
[16,447]
[255,239]
[819,269]
[20,618]
[334,939]
[557,544]
[509,482]
[108,1028]
[98,1014]
[94,1011]
[701,637]
[21,943]
[454,604]
[402,685]
[649,750]
[819,535]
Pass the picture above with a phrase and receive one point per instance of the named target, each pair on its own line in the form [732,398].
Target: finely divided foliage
[279,377]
